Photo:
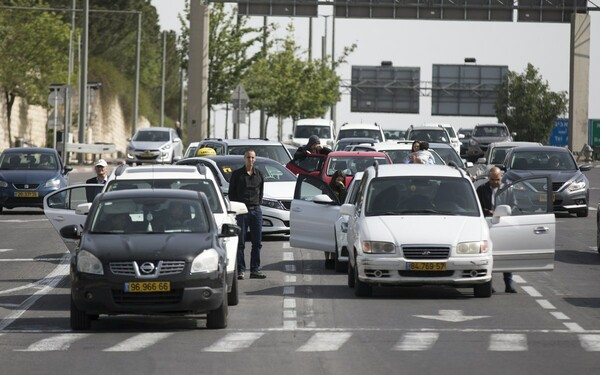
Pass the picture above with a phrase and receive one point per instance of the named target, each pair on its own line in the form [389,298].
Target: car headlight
[88,263]
[378,247]
[52,183]
[474,247]
[165,147]
[3,184]
[273,203]
[207,261]
[577,185]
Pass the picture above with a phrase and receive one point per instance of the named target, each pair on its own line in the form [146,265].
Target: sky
[422,43]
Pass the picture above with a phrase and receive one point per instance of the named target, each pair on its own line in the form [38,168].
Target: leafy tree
[34,49]
[527,106]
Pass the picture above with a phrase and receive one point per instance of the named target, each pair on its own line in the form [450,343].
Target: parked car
[453,136]
[279,187]
[431,134]
[342,144]
[350,162]
[450,156]
[28,174]
[483,135]
[60,207]
[191,149]
[570,187]
[398,151]
[322,128]
[262,147]
[464,140]
[155,145]
[389,240]
[133,258]
[365,130]
[495,155]
[394,134]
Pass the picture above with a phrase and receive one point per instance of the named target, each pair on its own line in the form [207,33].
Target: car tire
[583,213]
[350,275]
[329,261]
[483,290]
[361,289]
[217,319]
[233,297]
[340,267]
[1,210]
[80,321]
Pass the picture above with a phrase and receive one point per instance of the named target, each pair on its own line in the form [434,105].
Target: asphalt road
[304,319]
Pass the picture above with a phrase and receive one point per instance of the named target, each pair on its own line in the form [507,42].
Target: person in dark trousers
[101,169]
[312,147]
[247,186]
[178,130]
[486,194]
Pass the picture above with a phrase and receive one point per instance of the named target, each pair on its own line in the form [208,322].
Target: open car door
[313,214]
[59,208]
[525,239]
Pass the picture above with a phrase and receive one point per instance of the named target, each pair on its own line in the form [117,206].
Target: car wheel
[80,321]
[329,261]
[583,213]
[217,318]
[340,266]
[350,275]
[483,290]
[362,289]
[233,297]
[0,209]
[598,231]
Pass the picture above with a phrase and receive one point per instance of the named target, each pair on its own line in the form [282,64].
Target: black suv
[483,135]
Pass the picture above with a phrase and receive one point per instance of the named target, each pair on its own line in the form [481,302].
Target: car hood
[156,246]
[412,229]
[283,190]
[490,139]
[556,176]
[147,145]
[28,176]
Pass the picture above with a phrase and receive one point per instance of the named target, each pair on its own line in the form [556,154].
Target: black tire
[217,319]
[340,267]
[361,289]
[1,208]
[329,261]
[483,290]
[233,297]
[350,275]
[583,213]
[80,321]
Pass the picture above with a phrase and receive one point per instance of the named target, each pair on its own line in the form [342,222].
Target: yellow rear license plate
[27,194]
[426,266]
[147,287]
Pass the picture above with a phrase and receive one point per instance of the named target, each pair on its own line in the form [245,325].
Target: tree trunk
[279,128]
[10,100]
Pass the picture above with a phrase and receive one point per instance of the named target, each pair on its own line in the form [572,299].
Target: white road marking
[9,305]
[288,256]
[590,343]
[286,245]
[560,316]
[138,342]
[290,268]
[290,325]
[289,303]
[531,291]
[289,289]
[290,278]
[325,342]
[307,278]
[545,304]
[5,250]
[234,342]
[452,316]
[416,341]
[289,314]
[507,342]
[574,327]
[518,279]
[55,343]
[54,278]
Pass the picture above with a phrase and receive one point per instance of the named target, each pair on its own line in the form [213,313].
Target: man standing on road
[487,194]
[101,168]
[178,130]
[247,186]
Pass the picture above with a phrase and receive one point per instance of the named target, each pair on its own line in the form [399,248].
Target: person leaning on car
[312,147]
[247,186]
[487,194]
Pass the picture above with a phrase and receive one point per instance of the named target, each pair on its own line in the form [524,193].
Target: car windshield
[149,215]
[421,195]
[305,131]
[542,161]
[352,164]
[490,131]
[151,136]
[393,134]
[28,161]
[401,156]
[274,152]
[450,131]
[449,155]
[498,154]
[342,144]
[360,133]
[429,135]
[272,172]
[203,185]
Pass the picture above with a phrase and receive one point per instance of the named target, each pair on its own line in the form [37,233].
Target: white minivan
[322,128]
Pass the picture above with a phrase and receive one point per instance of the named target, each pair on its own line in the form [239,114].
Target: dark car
[464,140]
[149,252]
[483,135]
[570,187]
[28,174]
[449,155]
[262,147]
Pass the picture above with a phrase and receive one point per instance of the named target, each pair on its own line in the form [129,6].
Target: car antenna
[376,165]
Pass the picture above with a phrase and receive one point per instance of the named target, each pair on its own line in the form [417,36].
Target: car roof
[150,193]
[155,128]
[360,125]
[387,170]
[393,145]
[357,153]
[314,121]
[215,158]
[491,124]
[242,142]
[540,148]
[41,150]
[157,172]
[514,144]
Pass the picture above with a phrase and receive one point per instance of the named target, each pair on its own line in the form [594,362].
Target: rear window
[351,165]
[274,152]
[272,172]
[360,133]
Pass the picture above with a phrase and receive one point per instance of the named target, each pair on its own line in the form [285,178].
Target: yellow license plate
[27,194]
[543,197]
[147,287]
[426,266]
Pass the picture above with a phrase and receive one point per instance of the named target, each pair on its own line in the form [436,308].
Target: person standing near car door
[101,169]
[487,194]
[247,186]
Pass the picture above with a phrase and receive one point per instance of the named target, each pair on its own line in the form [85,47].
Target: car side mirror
[229,230]
[83,209]
[481,161]
[237,208]
[347,209]
[71,232]
[322,199]
[67,169]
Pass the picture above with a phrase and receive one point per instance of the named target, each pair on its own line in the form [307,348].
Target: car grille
[144,299]
[557,185]
[286,204]
[26,186]
[166,267]
[426,252]
[426,273]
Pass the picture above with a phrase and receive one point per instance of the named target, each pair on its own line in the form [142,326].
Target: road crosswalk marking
[139,342]
[234,342]
[325,342]
[590,343]
[508,342]
[416,341]
[55,343]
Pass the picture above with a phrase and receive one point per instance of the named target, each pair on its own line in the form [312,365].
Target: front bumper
[149,156]
[566,201]
[9,200]
[460,271]
[275,221]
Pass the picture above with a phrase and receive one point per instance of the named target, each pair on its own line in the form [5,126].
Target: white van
[322,128]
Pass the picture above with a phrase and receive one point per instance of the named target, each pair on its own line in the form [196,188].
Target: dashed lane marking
[234,342]
[139,342]
[590,343]
[325,342]
[55,343]
[560,316]
[545,304]
[416,341]
[508,342]
[531,291]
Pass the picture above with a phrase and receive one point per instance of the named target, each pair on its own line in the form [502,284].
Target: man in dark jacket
[247,186]
[101,169]
[486,194]
[312,147]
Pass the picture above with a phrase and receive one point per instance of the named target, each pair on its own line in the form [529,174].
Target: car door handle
[540,230]
[59,218]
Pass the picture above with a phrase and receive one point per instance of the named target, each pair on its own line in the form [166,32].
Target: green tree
[527,106]
[34,49]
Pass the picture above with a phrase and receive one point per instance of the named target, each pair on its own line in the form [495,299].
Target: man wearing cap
[312,147]
[101,175]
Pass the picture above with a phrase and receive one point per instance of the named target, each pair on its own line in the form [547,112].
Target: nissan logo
[426,252]
[147,268]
